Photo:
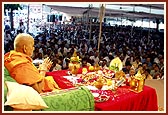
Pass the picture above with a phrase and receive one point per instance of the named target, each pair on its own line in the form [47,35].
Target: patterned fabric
[79,99]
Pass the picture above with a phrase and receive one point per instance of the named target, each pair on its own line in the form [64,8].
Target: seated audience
[85,62]
[127,68]
[104,64]
[118,41]
[147,74]
[156,73]
[56,65]
[140,68]
[136,62]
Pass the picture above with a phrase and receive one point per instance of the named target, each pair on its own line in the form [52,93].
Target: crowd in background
[134,46]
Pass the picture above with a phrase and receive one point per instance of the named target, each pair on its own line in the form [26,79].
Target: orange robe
[22,69]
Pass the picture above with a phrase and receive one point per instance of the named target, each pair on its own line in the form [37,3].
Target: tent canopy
[121,12]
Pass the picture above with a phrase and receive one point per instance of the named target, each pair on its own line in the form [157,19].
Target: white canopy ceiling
[121,11]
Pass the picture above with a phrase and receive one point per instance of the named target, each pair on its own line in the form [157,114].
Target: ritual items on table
[110,88]
[74,64]
[137,82]
[91,68]
[96,67]
[99,83]
[120,75]
[116,64]
[90,77]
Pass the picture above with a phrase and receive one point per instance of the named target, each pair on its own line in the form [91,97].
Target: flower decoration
[75,58]
[116,64]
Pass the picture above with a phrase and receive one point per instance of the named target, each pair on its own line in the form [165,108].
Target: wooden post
[90,20]
[101,17]
[90,29]
[28,18]
[149,27]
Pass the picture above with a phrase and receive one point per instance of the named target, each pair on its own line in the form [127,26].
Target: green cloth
[79,99]
[7,77]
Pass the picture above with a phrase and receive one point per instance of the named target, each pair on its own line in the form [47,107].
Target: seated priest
[19,64]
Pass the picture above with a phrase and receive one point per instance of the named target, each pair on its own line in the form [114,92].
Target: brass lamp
[137,82]
[74,64]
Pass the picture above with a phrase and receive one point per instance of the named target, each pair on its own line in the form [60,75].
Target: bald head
[24,43]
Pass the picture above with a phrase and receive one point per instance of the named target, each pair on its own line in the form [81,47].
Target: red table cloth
[122,100]
[126,100]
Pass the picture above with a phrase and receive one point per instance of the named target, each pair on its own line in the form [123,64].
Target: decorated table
[125,100]
[121,99]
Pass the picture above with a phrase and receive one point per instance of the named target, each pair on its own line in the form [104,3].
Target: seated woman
[19,64]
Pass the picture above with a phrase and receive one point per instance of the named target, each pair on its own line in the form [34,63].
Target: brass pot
[98,84]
